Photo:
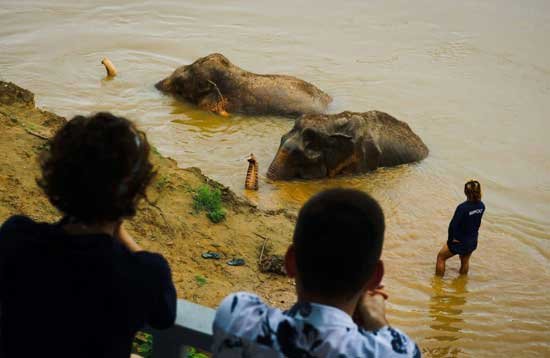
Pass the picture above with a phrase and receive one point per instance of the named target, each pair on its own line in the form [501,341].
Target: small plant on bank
[32,127]
[143,345]
[201,280]
[162,182]
[193,353]
[210,200]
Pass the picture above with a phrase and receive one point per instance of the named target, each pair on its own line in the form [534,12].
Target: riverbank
[165,223]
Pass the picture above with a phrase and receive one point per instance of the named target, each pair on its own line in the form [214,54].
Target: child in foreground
[340,311]
[463,230]
[82,287]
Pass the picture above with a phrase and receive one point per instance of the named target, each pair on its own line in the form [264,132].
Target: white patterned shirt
[246,327]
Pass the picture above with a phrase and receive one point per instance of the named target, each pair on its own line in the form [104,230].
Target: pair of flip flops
[235,262]
[211,255]
[215,256]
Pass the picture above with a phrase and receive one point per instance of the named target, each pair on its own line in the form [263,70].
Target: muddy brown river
[472,78]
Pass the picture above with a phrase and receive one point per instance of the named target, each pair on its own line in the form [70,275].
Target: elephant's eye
[310,138]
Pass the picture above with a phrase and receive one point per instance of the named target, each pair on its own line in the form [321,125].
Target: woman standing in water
[463,230]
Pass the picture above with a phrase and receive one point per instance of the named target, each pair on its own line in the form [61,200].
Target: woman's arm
[162,305]
[163,299]
[455,223]
[126,239]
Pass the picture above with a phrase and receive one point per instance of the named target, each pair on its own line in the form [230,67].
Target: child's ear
[290,262]
[376,277]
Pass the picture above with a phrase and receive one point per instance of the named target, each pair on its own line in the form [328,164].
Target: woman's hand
[126,239]
[371,309]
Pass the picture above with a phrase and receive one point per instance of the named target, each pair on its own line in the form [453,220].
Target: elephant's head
[319,146]
[199,82]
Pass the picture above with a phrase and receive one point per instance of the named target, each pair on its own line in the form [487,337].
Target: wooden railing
[193,328]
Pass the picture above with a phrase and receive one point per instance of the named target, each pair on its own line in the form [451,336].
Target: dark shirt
[76,295]
[464,225]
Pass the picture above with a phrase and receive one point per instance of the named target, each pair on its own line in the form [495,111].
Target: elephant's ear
[339,154]
[371,153]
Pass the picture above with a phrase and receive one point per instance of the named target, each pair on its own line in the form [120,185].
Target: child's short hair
[338,242]
[472,189]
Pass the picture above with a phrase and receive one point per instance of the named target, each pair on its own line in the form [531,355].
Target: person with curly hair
[82,287]
[463,230]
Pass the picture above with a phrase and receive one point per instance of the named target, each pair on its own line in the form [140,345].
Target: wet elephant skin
[213,83]
[346,143]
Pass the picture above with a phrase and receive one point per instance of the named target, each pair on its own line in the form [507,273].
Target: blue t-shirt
[464,225]
[77,295]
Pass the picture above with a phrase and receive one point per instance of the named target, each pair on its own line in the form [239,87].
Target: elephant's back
[281,95]
[397,142]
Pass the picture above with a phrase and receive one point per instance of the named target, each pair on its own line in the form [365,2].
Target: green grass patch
[193,353]
[143,345]
[162,182]
[32,127]
[201,280]
[210,200]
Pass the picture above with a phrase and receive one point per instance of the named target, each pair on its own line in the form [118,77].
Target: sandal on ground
[211,255]
[235,262]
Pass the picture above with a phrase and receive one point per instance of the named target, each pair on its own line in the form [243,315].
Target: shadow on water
[189,114]
[379,183]
[445,310]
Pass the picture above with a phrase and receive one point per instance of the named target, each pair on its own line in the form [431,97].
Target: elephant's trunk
[109,67]
[251,182]
[278,168]
[164,85]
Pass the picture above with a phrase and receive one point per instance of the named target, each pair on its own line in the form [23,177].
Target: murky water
[471,78]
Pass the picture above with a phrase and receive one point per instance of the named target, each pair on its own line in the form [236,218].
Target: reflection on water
[446,307]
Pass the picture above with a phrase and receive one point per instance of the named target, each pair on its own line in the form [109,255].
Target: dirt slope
[166,224]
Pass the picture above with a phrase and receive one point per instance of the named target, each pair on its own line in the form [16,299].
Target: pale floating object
[111,69]
[251,182]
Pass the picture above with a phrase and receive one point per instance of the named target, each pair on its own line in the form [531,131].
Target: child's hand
[371,309]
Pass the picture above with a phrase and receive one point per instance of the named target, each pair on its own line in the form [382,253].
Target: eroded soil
[166,223]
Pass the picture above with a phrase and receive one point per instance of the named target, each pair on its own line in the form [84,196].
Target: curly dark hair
[97,168]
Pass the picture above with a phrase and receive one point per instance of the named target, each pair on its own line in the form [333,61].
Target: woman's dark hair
[472,190]
[338,242]
[97,168]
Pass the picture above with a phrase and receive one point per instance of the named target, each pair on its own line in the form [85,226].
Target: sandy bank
[166,224]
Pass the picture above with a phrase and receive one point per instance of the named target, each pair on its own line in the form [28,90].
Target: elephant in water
[346,143]
[215,84]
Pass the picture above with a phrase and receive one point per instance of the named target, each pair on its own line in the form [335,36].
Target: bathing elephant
[215,84]
[346,143]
